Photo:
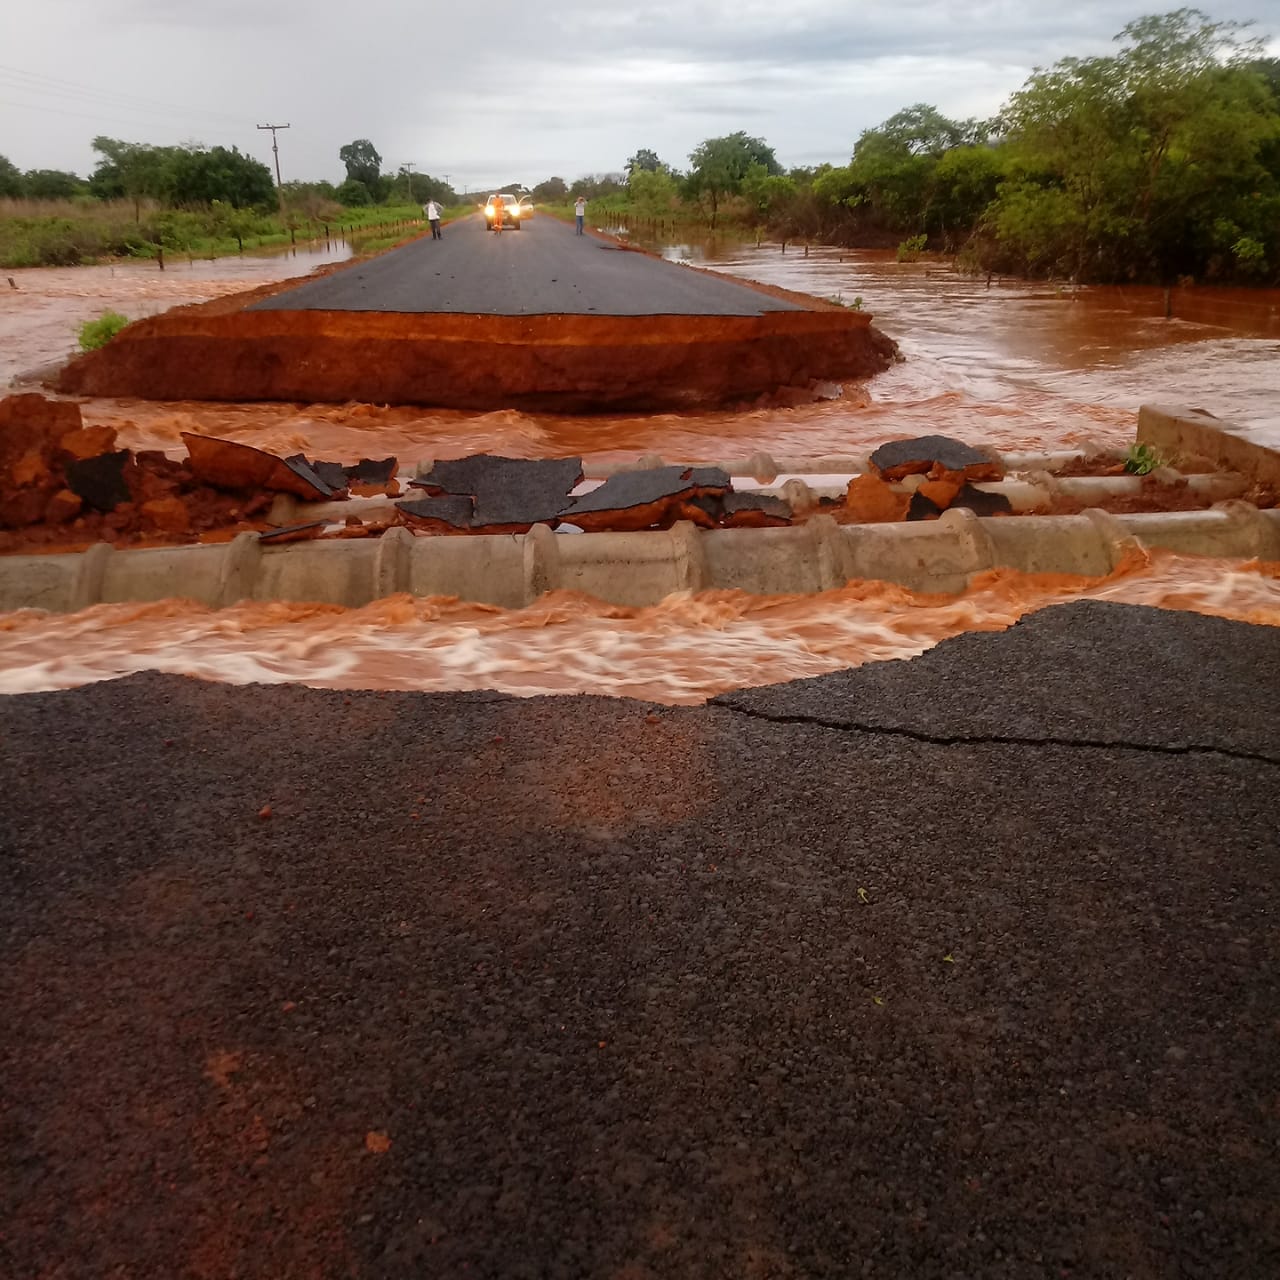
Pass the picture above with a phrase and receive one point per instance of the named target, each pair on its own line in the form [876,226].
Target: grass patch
[97,333]
[51,233]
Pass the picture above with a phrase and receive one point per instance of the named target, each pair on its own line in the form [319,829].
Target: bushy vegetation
[68,233]
[145,201]
[1157,163]
[97,333]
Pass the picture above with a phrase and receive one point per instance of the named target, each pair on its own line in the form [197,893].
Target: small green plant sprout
[911,249]
[862,896]
[838,299]
[1141,459]
[97,333]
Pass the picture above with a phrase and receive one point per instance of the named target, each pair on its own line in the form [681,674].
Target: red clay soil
[552,363]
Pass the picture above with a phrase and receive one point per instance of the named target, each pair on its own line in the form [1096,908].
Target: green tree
[10,179]
[363,163]
[552,191]
[766,192]
[719,165]
[653,190]
[1121,166]
[645,161]
[201,176]
[132,170]
[353,194]
[52,184]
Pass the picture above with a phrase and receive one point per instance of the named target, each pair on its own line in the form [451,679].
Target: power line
[34,82]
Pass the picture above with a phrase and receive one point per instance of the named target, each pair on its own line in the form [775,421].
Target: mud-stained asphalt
[542,269]
[577,987]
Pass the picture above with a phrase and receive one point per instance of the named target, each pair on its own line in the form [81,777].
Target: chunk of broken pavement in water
[100,481]
[755,511]
[444,514]
[921,508]
[901,458]
[227,464]
[982,503]
[638,499]
[372,471]
[298,464]
[334,474]
[511,494]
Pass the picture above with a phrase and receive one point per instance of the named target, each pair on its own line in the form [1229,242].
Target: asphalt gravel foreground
[580,987]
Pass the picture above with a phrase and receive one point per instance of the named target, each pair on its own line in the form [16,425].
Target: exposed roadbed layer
[566,364]
[577,987]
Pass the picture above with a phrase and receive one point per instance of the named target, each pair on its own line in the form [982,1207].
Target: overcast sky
[489,93]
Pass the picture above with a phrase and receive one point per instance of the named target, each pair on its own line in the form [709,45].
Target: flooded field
[1016,365]
[42,308]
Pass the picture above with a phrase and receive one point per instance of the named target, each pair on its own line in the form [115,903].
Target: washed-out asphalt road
[958,967]
[542,269]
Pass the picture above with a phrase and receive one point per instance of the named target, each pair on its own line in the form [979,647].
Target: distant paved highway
[542,269]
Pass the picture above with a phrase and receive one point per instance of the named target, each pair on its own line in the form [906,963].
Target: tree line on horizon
[1157,162]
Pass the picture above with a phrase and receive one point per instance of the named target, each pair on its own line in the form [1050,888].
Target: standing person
[498,206]
[579,212]
[433,216]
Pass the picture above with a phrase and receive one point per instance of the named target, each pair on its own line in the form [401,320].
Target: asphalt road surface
[958,967]
[542,269]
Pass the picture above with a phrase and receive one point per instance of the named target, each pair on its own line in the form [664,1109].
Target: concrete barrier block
[488,569]
[1233,530]
[39,582]
[1051,544]
[927,556]
[158,573]
[1252,451]
[329,573]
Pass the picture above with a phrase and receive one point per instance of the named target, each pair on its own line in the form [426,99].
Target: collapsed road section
[567,328]
[926,513]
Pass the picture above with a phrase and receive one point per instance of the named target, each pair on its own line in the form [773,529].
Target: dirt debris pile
[62,483]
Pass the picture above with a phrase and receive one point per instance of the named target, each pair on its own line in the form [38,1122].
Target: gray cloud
[517,90]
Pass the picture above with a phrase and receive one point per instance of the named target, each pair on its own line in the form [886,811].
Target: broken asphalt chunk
[372,471]
[334,474]
[444,514]
[226,464]
[922,454]
[511,494]
[745,509]
[639,499]
[100,481]
[982,503]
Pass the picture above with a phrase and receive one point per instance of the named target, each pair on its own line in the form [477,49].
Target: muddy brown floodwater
[1016,365]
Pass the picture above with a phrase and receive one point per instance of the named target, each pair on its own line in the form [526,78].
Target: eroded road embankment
[622,331]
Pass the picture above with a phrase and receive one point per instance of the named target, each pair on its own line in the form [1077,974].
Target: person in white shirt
[432,210]
[579,212]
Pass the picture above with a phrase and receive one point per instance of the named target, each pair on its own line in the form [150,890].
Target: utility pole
[275,147]
[408,170]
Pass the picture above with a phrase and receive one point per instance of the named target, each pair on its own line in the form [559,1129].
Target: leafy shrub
[1141,459]
[911,249]
[97,333]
